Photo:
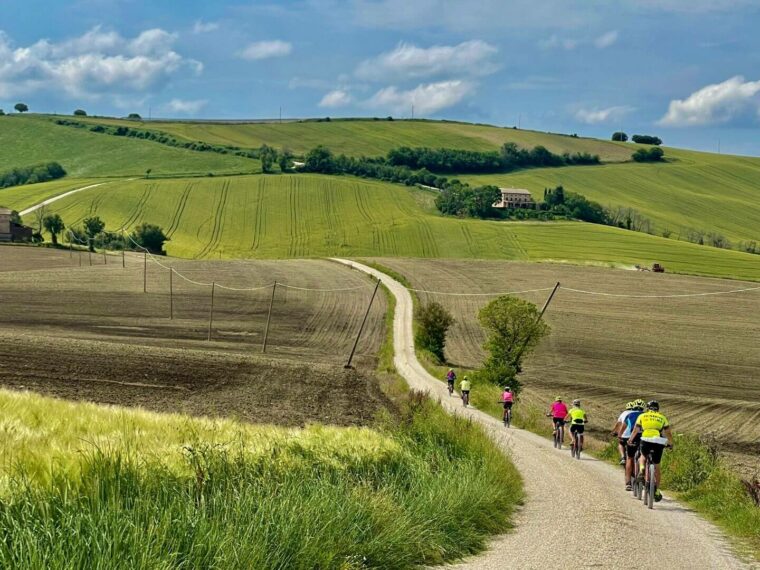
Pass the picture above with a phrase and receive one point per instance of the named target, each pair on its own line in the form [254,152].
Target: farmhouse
[10,230]
[515,198]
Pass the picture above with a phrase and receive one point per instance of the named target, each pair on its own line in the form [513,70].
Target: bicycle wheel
[577,446]
[651,486]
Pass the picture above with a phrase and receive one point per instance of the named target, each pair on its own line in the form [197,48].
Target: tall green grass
[424,487]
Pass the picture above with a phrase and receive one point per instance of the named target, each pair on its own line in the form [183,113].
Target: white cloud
[186,107]
[92,65]
[408,61]
[336,98]
[266,49]
[607,39]
[715,104]
[555,42]
[597,116]
[427,98]
[201,27]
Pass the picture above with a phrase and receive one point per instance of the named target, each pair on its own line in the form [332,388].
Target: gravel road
[576,513]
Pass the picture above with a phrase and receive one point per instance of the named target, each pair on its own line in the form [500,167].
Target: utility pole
[533,327]
[364,322]
[145,271]
[211,313]
[269,318]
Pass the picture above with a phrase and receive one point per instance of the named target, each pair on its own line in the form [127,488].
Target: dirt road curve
[59,197]
[576,512]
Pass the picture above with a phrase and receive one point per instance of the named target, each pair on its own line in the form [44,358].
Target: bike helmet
[576,402]
[653,405]
[557,399]
[639,403]
[507,388]
[629,406]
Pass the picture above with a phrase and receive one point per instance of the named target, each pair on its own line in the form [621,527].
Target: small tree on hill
[80,113]
[513,329]
[151,237]
[93,226]
[21,107]
[285,160]
[54,225]
[268,157]
[135,116]
[619,136]
[433,322]
[319,159]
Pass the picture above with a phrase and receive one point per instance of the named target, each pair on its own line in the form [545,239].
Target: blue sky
[687,70]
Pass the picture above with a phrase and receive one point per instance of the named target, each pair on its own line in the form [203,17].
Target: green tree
[285,160]
[151,237]
[479,201]
[2,112]
[268,157]
[619,136]
[319,159]
[135,116]
[54,225]
[80,113]
[513,329]
[92,227]
[147,172]
[433,322]
[21,107]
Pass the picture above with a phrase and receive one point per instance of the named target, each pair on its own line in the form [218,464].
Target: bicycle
[507,415]
[465,399]
[559,433]
[649,484]
[451,388]
[636,489]
[576,447]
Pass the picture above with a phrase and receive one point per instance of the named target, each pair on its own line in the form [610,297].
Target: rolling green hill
[20,197]
[372,138]
[318,216]
[27,140]
[693,190]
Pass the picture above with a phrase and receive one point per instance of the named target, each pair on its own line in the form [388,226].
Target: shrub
[151,237]
[646,139]
[433,322]
[32,174]
[80,113]
[619,136]
[654,154]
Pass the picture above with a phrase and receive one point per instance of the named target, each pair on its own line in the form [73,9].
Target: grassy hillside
[692,190]
[317,216]
[368,137]
[84,486]
[20,197]
[27,140]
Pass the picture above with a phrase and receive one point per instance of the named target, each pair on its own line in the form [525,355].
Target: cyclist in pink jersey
[507,399]
[558,412]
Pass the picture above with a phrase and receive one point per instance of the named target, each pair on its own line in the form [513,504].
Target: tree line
[31,174]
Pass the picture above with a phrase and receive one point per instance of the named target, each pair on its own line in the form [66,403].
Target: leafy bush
[646,139]
[619,136]
[654,154]
[80,113]
[32,174]
[433,322]
[151,237]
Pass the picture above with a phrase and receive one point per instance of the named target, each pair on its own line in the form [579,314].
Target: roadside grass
[26,140]
[373,137]
[299,216]
[692,190]
[150,490]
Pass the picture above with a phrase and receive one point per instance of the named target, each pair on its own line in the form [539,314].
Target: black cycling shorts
[655,448]
[631,449]
[465,392]
[558,422]
[508,405]
[577,428]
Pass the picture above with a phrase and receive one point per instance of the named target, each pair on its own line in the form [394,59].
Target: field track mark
[134,216]
[180,209]
[258,220]
[216,230]
[31,209]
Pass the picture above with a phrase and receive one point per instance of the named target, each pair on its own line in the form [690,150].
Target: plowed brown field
[698,355]
[91,333]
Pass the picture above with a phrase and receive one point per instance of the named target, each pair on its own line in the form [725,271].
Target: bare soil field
[91,333]
[698,355]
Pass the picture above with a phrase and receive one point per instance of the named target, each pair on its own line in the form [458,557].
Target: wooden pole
[211,313]
[89,250]
[71,247]
[145,271]
[123,251]
[105,259]
[269,318]
[533,327]
[364,322]
[171,295]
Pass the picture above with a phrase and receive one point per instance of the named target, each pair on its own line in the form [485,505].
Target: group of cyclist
[642,431]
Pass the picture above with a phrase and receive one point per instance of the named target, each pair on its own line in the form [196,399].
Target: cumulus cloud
[409,61]
[266,50]
[427,98]
[186,107]
[720,103]
[201,27]
[606,39]
[96,63]
[598,116]
[336,98]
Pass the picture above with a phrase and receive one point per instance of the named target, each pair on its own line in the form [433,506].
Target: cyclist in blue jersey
[631,447]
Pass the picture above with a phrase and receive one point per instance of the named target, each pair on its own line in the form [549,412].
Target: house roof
[515,191]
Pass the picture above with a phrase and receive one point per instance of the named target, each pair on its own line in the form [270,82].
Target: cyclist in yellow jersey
[464,388]
[652,425]
[577,417]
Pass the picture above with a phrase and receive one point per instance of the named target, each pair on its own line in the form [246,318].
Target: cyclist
[557,413]
[464,388]
[451,377]
[577,418]
[637,408]
[507,399]
[617,431]
[651,425]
